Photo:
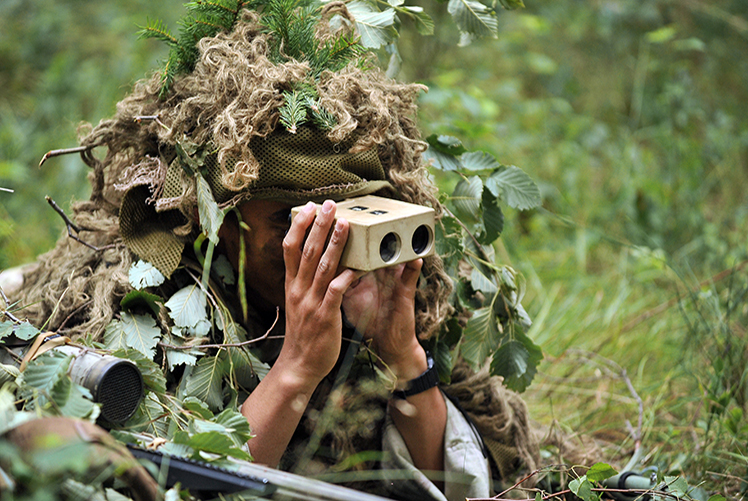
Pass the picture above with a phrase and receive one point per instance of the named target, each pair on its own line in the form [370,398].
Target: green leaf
[467,198]
[480,337]
[8,373]
[73,400]
[478,161]
[424,23]
[517,361]
[600,471]
[198,407]
[677,486]
[374,27]
[211,217]
[482,283]
[449,145]
[235,426]
[493,218]
[150,417]
[204,381]
[143,274]
[139,332]
[187,306]
[216,442]
[223,270]
[473,18]
[138,298]
[23,331]
[512,4]
[45,371]
[515,187]
[582,488]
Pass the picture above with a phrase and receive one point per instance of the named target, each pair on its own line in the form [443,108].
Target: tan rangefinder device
[383,232]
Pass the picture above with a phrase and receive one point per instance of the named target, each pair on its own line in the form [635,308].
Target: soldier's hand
[314,292]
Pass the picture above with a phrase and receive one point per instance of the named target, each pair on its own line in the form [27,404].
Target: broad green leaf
[517,361]
[139,332]
[211,216]
[179,357]
[600,471]
[441,161]
[582,488]
[204,381]
[480,337]
[187,306]
[236,426]
[424,23]
[467,198]
[143,274]
[473,17]
[223,270]
[515,187]
[242,363]
[23,331]
[138,298]
[482,283]
[478,161]
[512,4]
[493,219]
[46,370]
[449,145]
[216,442]
[8,373]
[374,27]
[198,407]
[150,417]
[73,400]
[678,486]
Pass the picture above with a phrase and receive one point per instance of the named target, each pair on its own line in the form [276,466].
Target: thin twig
[150,118]
[230,345]
[64,151]
[7,305]
[72,226]
[78,309]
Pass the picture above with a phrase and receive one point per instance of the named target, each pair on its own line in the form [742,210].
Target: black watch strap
[424,382]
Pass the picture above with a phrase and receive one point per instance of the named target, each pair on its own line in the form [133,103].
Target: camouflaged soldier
[204,170]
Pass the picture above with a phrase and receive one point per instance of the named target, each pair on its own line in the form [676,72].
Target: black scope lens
[421,240]
[389,247]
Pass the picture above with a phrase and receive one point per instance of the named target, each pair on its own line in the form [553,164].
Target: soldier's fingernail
[339,224]
[327,206]
[309,207]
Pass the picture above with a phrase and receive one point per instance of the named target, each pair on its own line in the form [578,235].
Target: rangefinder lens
[421,240]
[389,247]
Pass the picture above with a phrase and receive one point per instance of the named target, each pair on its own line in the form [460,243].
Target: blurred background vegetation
[632,116]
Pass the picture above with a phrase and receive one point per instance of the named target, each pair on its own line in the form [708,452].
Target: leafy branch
[473,221]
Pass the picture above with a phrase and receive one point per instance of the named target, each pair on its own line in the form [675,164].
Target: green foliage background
[632,116]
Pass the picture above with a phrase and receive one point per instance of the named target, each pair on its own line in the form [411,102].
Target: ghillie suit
[208,129]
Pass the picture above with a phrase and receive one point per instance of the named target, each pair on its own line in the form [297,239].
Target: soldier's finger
[314,245]
[293,242]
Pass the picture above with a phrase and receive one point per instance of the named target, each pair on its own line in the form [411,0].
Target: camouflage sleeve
[466,469]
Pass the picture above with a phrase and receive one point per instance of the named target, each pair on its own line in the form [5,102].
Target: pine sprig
[205,18]
[293,112]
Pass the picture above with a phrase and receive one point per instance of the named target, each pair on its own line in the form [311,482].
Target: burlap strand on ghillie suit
[231,98]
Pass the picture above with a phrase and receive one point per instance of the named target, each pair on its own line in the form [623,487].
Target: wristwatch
[424,382]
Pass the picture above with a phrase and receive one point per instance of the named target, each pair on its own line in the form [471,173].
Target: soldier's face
[264,268]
